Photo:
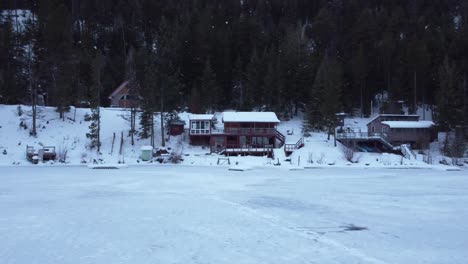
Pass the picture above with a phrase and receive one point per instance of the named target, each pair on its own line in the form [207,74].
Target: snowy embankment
[181,214]
[70,135]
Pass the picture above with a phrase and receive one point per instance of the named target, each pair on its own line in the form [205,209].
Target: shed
[176,127]
[146,153]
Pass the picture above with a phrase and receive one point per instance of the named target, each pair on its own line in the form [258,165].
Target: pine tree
[449,111]
[326,95]
[238,85]
[94,129]
[146,123]
[133,92]
[209,88]
[55,53]
[11,67]
[254,80]
[94,133]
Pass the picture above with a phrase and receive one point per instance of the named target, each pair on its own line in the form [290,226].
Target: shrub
[62,153]
[19,110]
[349,153]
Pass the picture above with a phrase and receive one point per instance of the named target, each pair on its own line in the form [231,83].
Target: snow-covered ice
[190,214]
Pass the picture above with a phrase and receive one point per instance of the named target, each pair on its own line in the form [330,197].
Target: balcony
[249,131]
[200,132]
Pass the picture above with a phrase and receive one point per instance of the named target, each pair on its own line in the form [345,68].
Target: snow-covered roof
[250,117]
[201,117]
[146,148]
[118,90]
[408,124]
[177,122]
[390,115]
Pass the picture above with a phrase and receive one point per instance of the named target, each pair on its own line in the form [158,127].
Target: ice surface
[182,214]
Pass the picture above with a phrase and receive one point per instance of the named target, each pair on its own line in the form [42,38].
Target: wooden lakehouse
[403,129]
[387,132]
[121,97]
[250,133]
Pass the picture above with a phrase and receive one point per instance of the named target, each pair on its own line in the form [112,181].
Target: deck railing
[248,148]
[249,131]
[241,131]
[364,136]
[291,147]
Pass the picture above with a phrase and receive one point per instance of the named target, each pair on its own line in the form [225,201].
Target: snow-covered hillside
[70,134]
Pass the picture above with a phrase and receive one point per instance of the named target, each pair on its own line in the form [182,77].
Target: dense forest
[322,57]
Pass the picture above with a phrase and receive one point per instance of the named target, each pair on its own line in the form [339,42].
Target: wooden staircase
[281,139]
[289,148]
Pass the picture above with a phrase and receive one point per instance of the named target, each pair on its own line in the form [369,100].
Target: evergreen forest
[320,57]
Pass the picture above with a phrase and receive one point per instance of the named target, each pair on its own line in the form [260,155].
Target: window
[200,127]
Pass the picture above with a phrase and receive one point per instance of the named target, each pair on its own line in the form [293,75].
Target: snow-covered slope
[70,134]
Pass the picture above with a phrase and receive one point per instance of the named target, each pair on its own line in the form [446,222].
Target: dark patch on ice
[282,203]
[352,227]
[4,192]
[332,229]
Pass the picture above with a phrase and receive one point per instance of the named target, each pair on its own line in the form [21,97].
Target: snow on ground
[70,134]
[182,214]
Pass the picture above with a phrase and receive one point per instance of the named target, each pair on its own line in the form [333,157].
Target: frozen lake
[185,215]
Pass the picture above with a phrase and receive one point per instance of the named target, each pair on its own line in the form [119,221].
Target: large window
[200,127]
[260,141]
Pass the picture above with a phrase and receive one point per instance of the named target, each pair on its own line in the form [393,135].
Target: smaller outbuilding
[176,127]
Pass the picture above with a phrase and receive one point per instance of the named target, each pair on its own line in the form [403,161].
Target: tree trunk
[132,125]
[415,108]
[152,129]
[98,132]
[163,143]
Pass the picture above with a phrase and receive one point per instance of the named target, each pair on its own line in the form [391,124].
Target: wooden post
[74,114]
[121,159]
[334,136]
[113,140]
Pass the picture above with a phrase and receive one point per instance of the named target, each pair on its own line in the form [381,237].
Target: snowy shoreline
[284,168]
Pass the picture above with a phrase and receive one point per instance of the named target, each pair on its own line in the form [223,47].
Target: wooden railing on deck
[291,147]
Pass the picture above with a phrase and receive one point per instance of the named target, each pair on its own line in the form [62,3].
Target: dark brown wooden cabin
[400,129]
[176,127]
[247,133]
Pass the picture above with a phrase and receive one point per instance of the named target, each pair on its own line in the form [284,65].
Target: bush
[62,153]
[19,110]
[349,153]
[87,117]
[176,158]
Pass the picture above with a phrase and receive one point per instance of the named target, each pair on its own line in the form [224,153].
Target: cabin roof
[408,124]
[250,117]
[118,90]
[177,122]
[390,115]
[201,117]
